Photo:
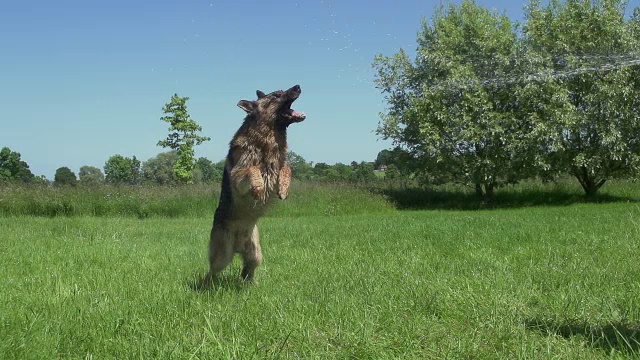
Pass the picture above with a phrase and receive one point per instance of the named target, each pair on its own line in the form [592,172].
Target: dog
[256,174]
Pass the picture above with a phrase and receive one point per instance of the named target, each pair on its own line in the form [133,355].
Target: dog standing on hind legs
[255,172]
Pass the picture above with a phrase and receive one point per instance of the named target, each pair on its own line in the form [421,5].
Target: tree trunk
[589,184]
[488,189]
[479,192]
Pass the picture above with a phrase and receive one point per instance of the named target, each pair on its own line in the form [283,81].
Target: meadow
[349,272]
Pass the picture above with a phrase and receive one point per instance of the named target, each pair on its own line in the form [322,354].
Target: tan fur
[256,171]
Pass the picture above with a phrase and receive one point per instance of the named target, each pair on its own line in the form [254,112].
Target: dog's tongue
[297,114]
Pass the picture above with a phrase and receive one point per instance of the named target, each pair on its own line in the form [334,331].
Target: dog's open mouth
[293,115]
[287,112]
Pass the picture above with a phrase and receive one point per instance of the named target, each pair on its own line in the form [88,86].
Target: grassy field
[348,278]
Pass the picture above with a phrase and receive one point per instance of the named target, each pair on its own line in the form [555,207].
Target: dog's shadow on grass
[620,337]
[223,282]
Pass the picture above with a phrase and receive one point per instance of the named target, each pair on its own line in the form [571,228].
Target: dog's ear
[246,105]
[260,94]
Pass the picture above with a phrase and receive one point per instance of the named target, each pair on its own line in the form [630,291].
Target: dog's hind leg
[251,255]
[220,252]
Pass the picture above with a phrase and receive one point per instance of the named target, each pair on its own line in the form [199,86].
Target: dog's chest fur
[263,147]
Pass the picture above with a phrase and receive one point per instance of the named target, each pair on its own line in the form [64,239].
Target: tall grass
[306,199]
[137,201]
[194,200]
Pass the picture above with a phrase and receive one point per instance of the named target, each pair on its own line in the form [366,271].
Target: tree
[455,124]
[159,169]
[598,139]
[40,181]
[403,162]
[300,168]
[392,173]
[90,176]
[364,172]
[383,159]
[344,172]
[320,170]
[12,168]
[65,177]
[182,137]
[122,170]
[211,172]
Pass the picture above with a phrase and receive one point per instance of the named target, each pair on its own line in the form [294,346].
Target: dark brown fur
[256,170]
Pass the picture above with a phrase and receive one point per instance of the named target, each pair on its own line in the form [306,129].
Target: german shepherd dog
[256,170]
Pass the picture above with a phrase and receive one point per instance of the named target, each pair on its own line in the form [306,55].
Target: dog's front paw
[259,193]
[283,193]
[284,181]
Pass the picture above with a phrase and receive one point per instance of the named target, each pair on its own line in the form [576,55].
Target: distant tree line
[160,170]
[354,172]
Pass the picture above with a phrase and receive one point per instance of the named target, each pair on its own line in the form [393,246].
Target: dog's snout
[296,88]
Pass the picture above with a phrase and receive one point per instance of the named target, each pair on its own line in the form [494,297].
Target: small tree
[40,180]
[364,171]
[65,177]
[383,159]
[345,172]
[211,172]
[159,169]
[182,137]
[122,170]
[392,173]
[90,176]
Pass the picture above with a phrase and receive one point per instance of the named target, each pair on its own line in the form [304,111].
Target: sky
[81,81]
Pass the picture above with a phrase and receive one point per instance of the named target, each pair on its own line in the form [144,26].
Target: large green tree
[122,170]
[65,177]
[454,123]
[586,43]
[12,168]
[183,136]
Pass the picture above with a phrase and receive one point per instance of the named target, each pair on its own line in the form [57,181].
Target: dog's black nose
[296,88]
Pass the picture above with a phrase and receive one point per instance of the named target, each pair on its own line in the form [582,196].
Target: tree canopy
[90,176]
[484,105]
[599,137]
[122,170]
[12,168]
[65,177]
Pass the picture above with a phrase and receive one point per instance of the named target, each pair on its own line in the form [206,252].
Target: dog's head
[274,107]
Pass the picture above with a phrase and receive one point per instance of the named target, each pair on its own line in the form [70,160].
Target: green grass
[195,200]
[515,282]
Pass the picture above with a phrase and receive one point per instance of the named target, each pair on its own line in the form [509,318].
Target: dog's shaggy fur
[256,170]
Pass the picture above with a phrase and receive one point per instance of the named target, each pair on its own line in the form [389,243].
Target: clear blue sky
[84,80]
